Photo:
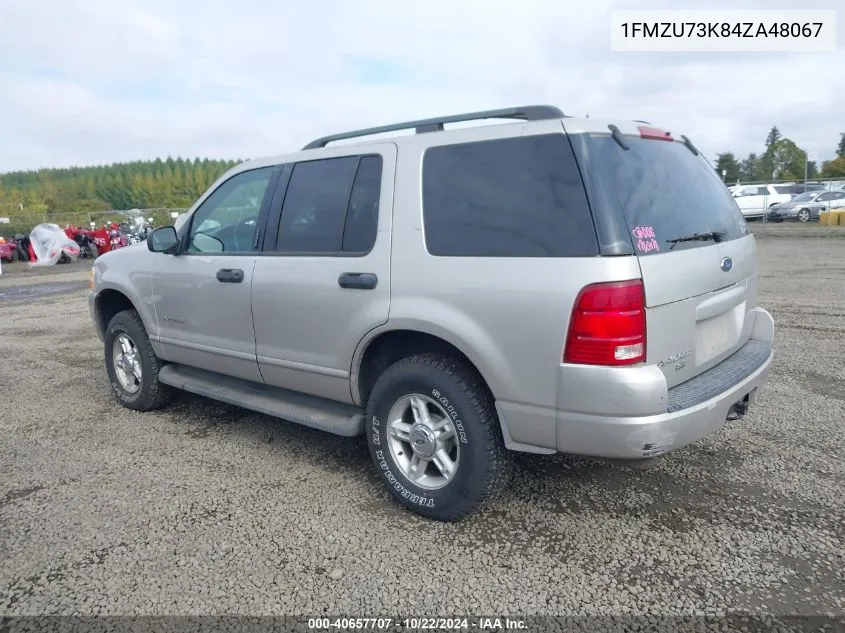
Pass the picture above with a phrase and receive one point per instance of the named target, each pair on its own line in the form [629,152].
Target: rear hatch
[697,258]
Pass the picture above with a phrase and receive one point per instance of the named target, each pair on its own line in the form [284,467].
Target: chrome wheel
[127,364]
[423,441]
[803,215]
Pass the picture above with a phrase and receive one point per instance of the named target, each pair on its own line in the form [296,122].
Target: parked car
[754,200]
[810,186]
[455,295]
[807,206]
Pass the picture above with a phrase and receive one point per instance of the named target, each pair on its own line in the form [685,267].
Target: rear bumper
[649,436]
[688,412]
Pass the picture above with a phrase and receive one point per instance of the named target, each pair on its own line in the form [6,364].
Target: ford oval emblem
[727,264]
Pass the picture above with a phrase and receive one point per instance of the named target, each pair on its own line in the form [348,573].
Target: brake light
[646,131]
[608,325]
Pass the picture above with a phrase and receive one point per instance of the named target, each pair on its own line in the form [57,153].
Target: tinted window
[359,233]
[663,190]
[315,205]
[331,205]
[784,189]
[519,197]
[228,219]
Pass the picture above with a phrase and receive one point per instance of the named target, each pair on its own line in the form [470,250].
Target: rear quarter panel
[510,316]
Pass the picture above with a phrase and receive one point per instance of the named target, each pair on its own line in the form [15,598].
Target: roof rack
[523,113]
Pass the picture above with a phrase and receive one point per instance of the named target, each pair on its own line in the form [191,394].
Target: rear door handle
[230,275]
[360,281]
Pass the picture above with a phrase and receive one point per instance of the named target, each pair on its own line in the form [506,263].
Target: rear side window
[331,206]
[359,233]
[663,190]
[516,197]
[784,189]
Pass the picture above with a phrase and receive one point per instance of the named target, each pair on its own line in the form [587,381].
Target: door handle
[360,281]
[230,275]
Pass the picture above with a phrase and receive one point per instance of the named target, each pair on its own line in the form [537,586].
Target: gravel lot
[207,509]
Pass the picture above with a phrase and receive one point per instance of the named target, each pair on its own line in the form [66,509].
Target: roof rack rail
[523,113]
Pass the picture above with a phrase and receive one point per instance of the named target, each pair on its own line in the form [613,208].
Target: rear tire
[416,403]
[131,364]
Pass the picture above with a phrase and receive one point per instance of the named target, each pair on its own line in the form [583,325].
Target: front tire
[434,437]
[804,215]
[131,364]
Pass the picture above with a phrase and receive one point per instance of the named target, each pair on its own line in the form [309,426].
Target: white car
[755,200]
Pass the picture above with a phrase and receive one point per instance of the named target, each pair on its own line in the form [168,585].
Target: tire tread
[157,394]
[476,392]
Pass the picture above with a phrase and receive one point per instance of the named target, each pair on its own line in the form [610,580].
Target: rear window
[515,197]
[663,190]
[787,189]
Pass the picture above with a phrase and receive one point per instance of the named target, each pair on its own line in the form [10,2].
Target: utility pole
[806,166]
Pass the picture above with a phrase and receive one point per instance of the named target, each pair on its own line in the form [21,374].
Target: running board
[318,413]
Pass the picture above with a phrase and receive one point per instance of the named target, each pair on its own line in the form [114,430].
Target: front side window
[227,220]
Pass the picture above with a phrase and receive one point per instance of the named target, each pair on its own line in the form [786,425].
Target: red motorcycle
[87,246]
[8,250]
[105,238]
[118,238]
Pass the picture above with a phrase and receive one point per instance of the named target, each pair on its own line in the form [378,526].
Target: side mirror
[163,240]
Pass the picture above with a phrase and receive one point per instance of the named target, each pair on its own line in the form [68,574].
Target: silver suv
[549,284]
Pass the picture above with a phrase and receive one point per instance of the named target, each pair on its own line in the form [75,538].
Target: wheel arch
[383,348]
[110,301]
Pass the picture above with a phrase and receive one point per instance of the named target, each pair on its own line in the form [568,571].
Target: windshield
[664,191]
[805,197]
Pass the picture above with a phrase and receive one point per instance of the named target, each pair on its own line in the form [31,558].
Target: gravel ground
[207,509]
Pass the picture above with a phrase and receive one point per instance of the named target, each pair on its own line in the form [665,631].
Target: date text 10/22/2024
[417,624]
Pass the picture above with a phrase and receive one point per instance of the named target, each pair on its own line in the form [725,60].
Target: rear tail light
[608,325]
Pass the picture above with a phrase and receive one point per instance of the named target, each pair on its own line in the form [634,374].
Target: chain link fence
[23,222]
[757,198]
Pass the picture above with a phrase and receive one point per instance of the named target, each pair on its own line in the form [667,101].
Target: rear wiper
[716,236]
[616,135]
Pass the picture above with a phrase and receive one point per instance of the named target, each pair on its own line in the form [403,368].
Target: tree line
[781,159]
[69,195]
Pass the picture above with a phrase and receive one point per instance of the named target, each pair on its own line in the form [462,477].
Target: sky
[87,82]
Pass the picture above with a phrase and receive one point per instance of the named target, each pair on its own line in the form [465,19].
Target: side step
[318,413]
